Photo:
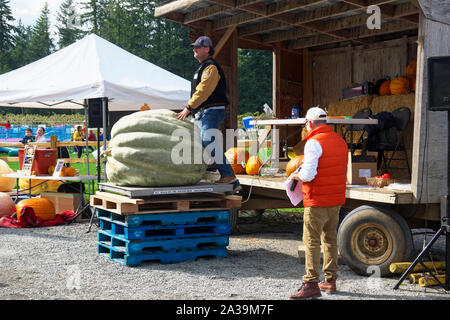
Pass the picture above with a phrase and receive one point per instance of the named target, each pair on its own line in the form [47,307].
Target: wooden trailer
[320,47]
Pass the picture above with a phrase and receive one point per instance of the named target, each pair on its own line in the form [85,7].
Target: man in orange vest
[324,175]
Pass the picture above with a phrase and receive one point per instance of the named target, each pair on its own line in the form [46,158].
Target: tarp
[93,68]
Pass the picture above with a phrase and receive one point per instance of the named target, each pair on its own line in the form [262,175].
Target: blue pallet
[132,247]
[162,257]
[146,232]
[176,218]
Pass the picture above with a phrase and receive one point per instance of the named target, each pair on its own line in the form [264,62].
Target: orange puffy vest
[327,189]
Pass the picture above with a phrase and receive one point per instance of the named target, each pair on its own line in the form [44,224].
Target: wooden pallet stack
[167,227]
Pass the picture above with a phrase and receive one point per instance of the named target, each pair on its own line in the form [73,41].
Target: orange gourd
[253,165]
[294,164]
[145,107]
[43,208]
[237,158]
[399,85]
[385,89]
[411,69]
[51,169]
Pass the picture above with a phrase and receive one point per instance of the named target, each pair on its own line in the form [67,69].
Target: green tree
[41,43]
[69,24]
[94,14]
[6,35]
[20,53]
[254,80]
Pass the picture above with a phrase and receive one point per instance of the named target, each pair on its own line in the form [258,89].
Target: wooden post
[429,158]
[53,142]
[307,80]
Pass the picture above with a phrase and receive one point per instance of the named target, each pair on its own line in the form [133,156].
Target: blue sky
[29,10]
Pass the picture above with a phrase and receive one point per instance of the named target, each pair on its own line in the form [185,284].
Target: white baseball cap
[316,113]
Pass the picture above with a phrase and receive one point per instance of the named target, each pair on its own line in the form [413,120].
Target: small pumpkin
[253,165]
[385,89]
[145,107]
[237,157]
[399,85]
[6,184]
[43,208]
[68,172]
[411,69]
[377,84]
[7,205]
[294,164]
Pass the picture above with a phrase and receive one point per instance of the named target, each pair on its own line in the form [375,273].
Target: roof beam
[164,9]
[354,34]
[401,10]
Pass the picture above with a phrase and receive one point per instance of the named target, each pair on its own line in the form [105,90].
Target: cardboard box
[358,170]
[63,201]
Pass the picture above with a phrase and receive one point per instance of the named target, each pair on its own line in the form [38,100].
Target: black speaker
[95,112]
[439,83]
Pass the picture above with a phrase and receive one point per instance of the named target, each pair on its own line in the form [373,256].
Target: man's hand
[294,176]
[183,114]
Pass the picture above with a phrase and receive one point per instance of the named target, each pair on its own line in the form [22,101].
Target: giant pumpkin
[6,184]
[37,186]
[294,164]
[43,208]
[399,85]
[237,157]
[154,149]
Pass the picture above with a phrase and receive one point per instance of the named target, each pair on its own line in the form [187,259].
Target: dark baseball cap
[202,41]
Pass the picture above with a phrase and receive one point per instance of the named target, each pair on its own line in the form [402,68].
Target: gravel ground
[262,263]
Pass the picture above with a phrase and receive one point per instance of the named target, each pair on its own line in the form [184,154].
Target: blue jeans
[211,119]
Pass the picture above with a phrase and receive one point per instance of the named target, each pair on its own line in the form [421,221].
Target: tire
[372,236]
[234,214]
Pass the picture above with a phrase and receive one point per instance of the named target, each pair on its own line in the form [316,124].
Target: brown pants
[320,224]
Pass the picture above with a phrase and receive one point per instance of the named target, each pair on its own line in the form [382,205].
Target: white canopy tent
[93,68]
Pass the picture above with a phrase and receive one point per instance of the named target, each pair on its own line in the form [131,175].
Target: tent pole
[87,144]
[104,101]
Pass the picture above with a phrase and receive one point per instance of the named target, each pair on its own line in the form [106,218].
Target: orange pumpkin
[69,172]
[43,208]
[411,69]
[399,85]
[237,158]
[145,107]
[253,165]
[385,89]
[294,164]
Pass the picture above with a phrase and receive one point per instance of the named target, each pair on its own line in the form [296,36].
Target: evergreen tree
[94,14]
[69,24]
[20,53]
[6,35]
[41,44]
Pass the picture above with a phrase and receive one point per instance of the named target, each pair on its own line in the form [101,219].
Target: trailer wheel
[234,215]
[370,236]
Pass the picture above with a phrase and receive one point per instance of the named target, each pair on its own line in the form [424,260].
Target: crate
[164,257]
[128,206]
[133,247]
[173,218]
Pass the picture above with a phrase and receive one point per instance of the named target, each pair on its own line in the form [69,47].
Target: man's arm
[312,153]
[210,79]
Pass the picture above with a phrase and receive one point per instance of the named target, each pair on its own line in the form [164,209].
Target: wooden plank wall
[335,69]
[430,158]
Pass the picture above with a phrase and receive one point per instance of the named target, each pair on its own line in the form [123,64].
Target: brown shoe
[307,290]
[328,285]
[228,179]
